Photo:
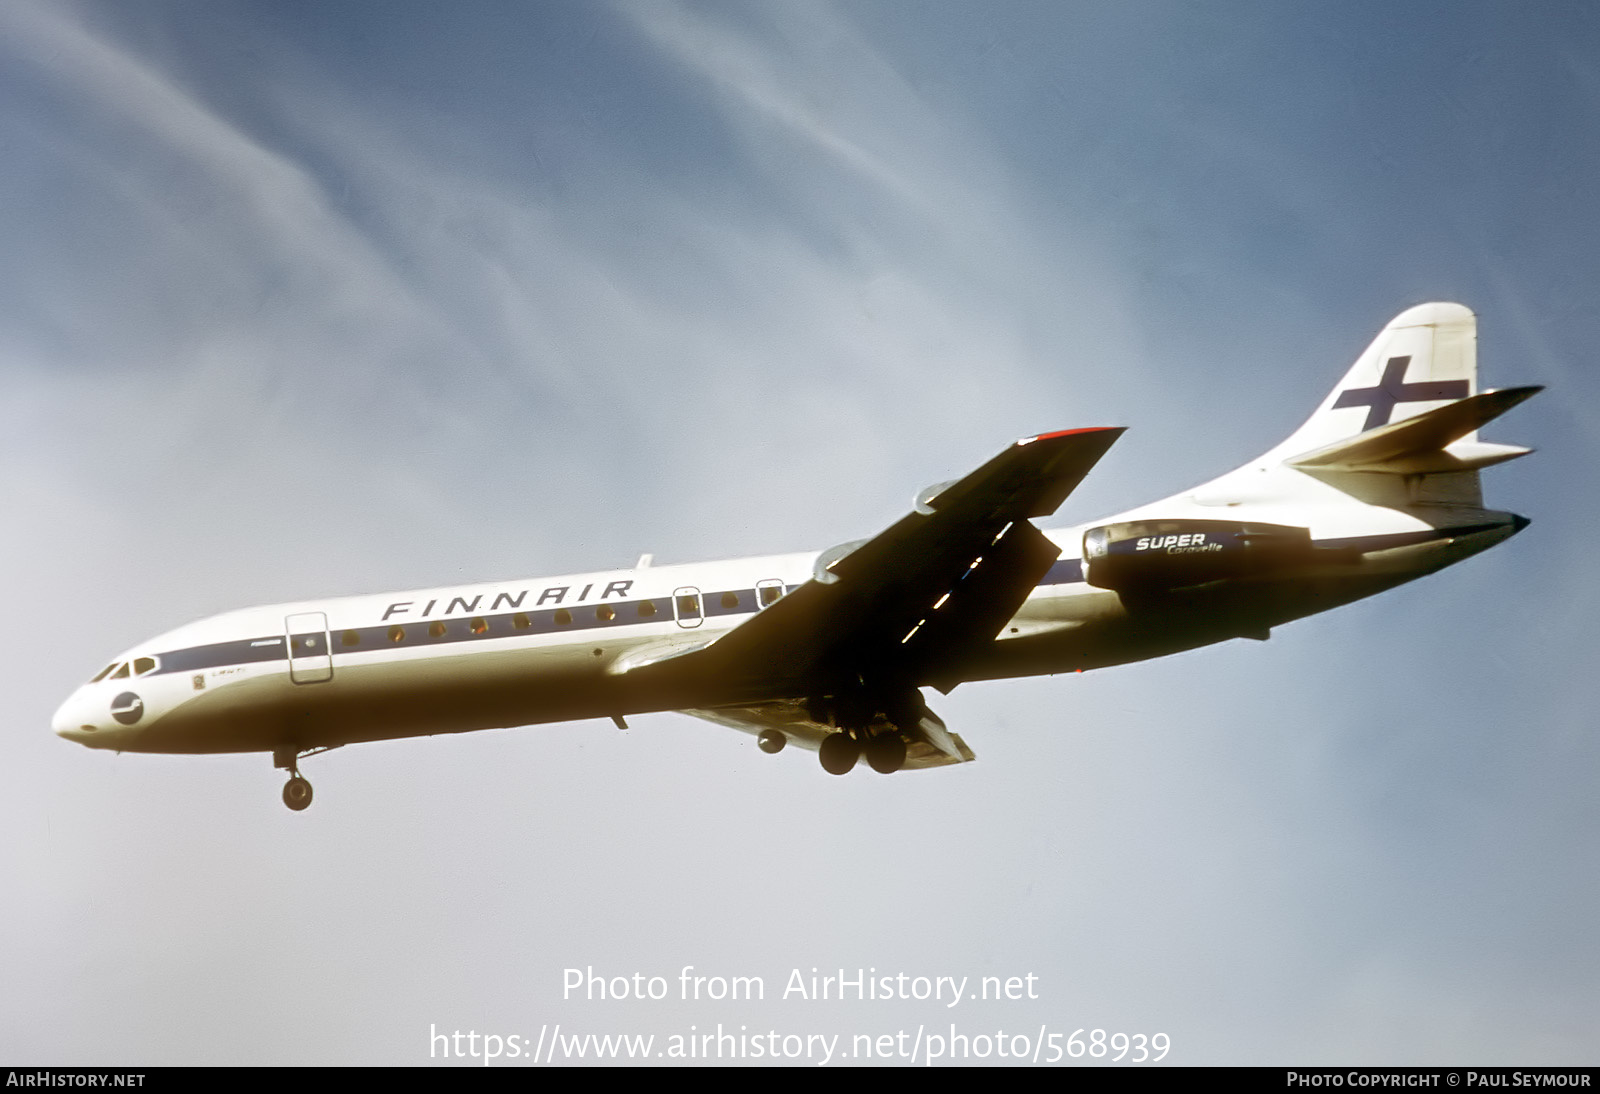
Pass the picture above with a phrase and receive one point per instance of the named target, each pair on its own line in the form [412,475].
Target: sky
[303,300]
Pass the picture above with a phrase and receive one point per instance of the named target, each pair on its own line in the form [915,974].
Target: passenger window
[436,629]
[604,613]
[647,608]
[397,634]
[350,638]
[730,600]
[480,626]
[563,617]
[143,665]
[521,621]
[769,592]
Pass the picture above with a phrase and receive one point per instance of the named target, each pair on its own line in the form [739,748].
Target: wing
[907,606]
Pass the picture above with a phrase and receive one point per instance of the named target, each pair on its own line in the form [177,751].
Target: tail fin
[1408,411]
[1426,357]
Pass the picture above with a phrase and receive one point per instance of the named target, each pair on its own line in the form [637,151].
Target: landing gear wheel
[297,793]
[886,753]
[839,753]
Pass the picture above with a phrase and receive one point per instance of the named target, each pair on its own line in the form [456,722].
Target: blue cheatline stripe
[417,633]
[591,617]
[1064,572]
[246,652]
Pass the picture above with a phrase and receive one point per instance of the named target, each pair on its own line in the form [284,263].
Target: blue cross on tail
[1393,389]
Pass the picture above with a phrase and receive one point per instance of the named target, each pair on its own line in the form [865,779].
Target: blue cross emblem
[1393,389]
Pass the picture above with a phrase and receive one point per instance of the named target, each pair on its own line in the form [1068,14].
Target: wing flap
[981,602]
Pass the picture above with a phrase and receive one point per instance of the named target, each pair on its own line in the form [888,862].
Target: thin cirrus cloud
[296,331]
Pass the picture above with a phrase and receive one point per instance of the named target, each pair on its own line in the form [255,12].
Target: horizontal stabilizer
[1430,442]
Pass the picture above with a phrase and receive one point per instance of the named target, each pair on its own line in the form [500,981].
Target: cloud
[288,329]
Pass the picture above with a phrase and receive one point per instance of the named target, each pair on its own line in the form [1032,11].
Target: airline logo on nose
[127,708]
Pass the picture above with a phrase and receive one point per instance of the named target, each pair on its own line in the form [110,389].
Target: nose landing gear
[297,791]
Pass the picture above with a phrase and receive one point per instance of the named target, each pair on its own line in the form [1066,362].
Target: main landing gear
[297,791]
[870,724]
[885,751]
[839,753]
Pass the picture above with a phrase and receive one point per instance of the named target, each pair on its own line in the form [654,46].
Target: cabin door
[310,658]
[686,606]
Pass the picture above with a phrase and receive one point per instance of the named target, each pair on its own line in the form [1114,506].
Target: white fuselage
[454,659]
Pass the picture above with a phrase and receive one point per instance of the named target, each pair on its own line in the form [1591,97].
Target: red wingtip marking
[1067,433]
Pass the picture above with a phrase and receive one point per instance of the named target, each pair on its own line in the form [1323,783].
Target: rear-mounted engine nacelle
[1153,555]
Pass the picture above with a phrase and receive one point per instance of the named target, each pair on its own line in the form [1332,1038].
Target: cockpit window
[103,673]
[142,665]
[121,673]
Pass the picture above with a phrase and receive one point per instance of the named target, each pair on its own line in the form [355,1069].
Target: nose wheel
[297,792]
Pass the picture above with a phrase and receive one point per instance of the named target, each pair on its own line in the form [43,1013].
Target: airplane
[831,650]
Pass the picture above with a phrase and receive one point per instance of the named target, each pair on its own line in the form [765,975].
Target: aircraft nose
[71,721]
